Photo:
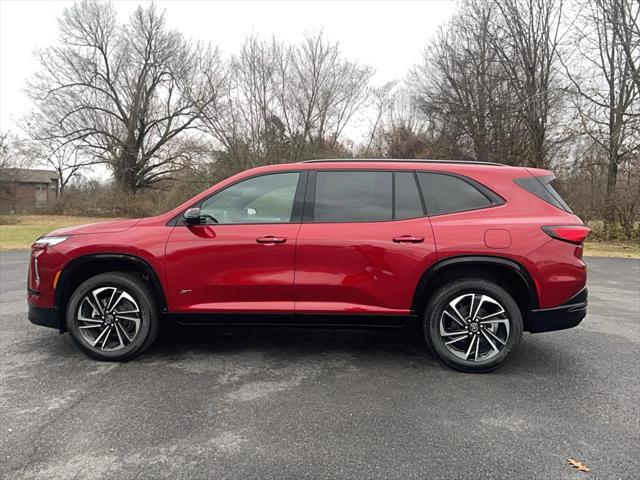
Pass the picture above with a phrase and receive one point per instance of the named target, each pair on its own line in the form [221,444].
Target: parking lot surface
[287,403]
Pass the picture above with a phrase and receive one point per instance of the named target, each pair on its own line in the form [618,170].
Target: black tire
[435,311]
[149,321]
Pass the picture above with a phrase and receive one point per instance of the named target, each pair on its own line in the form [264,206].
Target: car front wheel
[113,316]
[472,325]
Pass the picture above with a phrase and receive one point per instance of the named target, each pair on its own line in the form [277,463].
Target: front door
[242,259]
[364,243]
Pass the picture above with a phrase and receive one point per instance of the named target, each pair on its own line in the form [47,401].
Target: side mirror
[192,216]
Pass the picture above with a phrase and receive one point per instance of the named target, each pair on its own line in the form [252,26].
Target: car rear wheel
[113,316]
[472,325]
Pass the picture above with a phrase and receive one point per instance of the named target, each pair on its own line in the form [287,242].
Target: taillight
[575,234]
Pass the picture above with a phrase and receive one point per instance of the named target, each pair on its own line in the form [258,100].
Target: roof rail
[391,160]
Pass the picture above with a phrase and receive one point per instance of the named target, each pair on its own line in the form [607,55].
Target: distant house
[25,190]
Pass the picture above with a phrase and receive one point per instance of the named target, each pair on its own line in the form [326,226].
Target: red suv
[477,252]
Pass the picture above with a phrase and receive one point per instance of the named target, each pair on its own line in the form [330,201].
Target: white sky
[387,35]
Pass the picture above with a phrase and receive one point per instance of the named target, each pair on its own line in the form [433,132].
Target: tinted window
[264,199]
[407,204]
[353,196]
[541,188]
[448,194]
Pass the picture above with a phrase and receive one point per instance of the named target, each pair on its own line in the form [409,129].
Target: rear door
[364,242]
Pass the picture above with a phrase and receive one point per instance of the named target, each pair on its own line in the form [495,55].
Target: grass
[604,249]
[18,233]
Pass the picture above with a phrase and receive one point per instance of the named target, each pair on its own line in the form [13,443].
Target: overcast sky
[388,35]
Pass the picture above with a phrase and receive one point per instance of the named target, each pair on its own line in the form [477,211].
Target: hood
[100,227]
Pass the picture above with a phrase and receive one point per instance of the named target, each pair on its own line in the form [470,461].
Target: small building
[25,190]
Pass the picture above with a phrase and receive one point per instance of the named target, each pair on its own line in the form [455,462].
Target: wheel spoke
[122,295]
[477,348]
[494,321]
[89,320]
[92,305]
[460,321]
[125,333]
[481,319]
[109,303]
[99,337]
[451,334]
[473,340]
[454,307]
[90,326]
[495,336]
[98,305]
[493,345]
[115,326]
[106,337]
[474,315]
[455,340]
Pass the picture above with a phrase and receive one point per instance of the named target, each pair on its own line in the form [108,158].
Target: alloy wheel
[108,318]
[474,327]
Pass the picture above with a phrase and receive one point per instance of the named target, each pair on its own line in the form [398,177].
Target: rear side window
[448,194]
[364,196]
[408,203]
[357,196]
[541,188]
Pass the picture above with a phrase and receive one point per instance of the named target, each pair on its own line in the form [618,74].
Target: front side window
[263,199]
[448,194]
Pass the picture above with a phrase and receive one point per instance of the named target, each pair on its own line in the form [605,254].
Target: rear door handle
[408,239]
[270,240]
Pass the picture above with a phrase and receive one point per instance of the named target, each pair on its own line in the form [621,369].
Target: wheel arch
[506,272]
[82,268]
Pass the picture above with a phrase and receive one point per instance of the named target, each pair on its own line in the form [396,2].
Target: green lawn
[19,232]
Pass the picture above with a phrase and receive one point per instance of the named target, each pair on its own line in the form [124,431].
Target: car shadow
[538,356]
[281,341]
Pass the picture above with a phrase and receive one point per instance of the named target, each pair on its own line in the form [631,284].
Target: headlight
[50,241]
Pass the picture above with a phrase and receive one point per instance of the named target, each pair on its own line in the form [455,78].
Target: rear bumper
[565,316]
[45,317]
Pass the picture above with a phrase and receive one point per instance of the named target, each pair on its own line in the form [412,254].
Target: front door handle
[408,239]
[271,239]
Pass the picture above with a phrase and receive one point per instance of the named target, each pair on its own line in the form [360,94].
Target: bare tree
[526,39]
[319,92]
[383,99]
[462,85]
[624,17]
[66,159]
[286,102]
[607,98]
[123,92]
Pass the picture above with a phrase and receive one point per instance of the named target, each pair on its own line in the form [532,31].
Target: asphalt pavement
[286,403]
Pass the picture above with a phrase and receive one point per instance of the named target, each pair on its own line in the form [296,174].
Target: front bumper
[46,317]
[565,316]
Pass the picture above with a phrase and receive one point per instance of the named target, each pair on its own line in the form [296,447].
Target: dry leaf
[578,465]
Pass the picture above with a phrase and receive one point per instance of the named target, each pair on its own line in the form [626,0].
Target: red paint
[358,267]
[369,267]
[231,268]
[497,238]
